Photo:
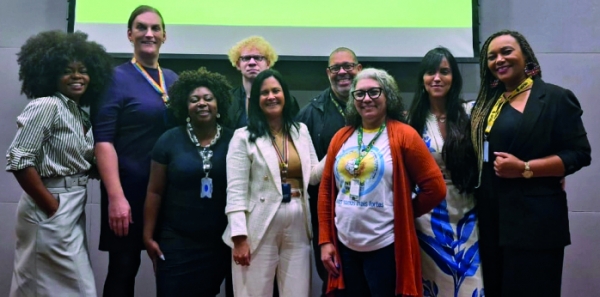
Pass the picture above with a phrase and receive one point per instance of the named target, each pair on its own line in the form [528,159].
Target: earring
[532,69]
[187,119]
[218,115]
[494,83]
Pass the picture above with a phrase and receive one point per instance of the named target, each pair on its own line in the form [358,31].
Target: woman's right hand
[52,208]
[153,251]
[241,251]
[330,259]
[119,215]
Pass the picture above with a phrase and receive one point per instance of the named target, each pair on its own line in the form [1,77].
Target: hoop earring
[532,69]
[218,115]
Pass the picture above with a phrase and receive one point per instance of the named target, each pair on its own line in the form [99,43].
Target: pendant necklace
[206,154]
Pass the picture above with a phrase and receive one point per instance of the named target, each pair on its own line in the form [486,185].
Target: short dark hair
[457,151]
[343,49]
[257,121]
[394,105]
[44,57]
[143,9]
[190,80]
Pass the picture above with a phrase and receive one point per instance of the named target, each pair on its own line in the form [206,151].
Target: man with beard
[324,116]
[250,56]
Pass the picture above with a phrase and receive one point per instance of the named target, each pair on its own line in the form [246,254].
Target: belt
[66,181]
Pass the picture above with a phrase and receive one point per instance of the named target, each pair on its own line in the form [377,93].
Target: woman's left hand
[508,166]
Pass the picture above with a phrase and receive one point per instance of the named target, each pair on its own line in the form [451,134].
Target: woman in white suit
[269,166]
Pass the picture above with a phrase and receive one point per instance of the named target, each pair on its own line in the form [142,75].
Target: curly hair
[179,93]
[258,124]
[394,105]
[457,151]
[253,42]
[44,57]
[489,94]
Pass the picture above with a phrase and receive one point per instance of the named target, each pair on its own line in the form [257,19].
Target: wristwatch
[527,173]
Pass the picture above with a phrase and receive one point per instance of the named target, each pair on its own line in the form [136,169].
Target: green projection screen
[372,28]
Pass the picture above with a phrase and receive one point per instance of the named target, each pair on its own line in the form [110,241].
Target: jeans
[368,273]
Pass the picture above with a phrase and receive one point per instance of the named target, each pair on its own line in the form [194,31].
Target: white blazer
[254,183]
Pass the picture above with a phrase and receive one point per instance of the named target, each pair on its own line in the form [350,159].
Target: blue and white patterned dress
[448,235]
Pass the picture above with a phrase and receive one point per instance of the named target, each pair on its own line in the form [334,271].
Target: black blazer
[533,212]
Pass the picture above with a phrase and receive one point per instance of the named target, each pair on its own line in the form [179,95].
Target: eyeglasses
[374,93]
[256,58]
[336,68]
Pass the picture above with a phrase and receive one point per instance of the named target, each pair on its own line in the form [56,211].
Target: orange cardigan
[413,165]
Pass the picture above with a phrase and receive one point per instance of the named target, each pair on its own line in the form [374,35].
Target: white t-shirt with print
[365,224]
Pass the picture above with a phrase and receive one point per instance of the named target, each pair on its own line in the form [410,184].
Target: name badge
[207,188]
[355,189]
[286,189]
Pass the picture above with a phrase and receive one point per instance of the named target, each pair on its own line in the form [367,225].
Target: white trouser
[51,257]
[284,250]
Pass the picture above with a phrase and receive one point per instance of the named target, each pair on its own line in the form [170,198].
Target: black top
[183,212]
[532,213]
[323,120]
[500,138]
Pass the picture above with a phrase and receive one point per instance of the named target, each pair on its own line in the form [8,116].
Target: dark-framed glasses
[346,66]
[373,93]
[247,58]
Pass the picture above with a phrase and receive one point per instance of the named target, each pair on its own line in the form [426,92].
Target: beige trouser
[51,257]
[283,251]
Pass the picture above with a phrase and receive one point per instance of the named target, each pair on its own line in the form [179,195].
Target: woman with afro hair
[184,213]
[50,157]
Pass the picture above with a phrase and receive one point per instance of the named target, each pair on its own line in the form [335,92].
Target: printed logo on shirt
[370,171]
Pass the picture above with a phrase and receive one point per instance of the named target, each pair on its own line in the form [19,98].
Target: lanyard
[524,86]
[337,105]
[363,153]
[283,157]
[160,88]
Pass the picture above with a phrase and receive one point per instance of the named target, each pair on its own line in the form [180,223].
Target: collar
[65,99]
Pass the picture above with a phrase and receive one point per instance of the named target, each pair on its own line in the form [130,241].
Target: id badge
[486,151]
[355,189]
[207,188]
[286,189]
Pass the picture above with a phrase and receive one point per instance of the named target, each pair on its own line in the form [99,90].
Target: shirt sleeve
[106,114]
[34,126]
[160,152]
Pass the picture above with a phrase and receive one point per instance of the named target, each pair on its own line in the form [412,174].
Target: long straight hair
[258,125]
[457,152]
